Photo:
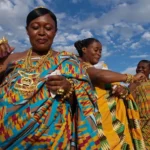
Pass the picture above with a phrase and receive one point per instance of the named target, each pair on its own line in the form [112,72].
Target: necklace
[28,63]
[28,82]
[86,65]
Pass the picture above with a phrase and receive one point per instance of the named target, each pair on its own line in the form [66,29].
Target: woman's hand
[120,91]
[55,83]
[139,77]
[5,48]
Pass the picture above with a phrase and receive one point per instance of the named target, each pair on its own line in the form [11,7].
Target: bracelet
[129,78]
[67,95]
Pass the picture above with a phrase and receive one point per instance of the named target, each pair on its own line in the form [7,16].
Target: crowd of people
[57,100]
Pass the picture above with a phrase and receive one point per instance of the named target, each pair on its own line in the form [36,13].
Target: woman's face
[144,68]
[41,32]
[92,53]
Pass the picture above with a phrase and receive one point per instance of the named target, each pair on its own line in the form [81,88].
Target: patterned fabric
[120,122]
[34,120]
[142,97]
[119,119]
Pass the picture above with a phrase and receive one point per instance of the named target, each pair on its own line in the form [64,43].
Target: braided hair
[84,43]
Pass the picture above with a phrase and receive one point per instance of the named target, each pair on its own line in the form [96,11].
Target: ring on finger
[3,40]
[60,91]
[121,94]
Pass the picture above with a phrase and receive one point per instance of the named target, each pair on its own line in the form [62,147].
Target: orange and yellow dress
[141,93]
[120,129]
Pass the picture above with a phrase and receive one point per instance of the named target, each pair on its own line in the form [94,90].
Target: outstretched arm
[107,76]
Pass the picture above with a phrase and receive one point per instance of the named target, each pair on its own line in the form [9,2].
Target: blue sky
[122,26]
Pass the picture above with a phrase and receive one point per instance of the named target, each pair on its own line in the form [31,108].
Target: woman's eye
[48,28]
[35,27]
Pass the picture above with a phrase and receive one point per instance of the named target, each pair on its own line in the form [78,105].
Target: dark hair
[40,12]
[145,61]
[84,43]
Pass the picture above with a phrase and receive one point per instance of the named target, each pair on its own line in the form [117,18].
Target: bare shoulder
[11,58]
[15,56]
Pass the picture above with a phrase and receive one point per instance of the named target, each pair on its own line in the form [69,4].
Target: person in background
[119,118]
[141,93]
[38,90]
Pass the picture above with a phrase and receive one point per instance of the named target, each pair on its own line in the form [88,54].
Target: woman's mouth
[42,41]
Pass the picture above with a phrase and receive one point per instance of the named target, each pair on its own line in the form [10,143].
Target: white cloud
[72,37]
[60,39]
[61,16]
[75,1]
[41,3]
[139,56]
[120,13]
[146,36]
[64,38]
[105,52]
[1,29]
[15,41]
[110,2]
[21,27]
[120,24]
[130,70]
[9,33]
[135,45]
[85,34]
[69,48]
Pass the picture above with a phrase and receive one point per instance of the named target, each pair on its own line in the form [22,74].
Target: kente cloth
[31,119]
[119,121]
[142,97]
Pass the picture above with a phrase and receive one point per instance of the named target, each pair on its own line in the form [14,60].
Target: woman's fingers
[57,82]
[5,50]
[120,91]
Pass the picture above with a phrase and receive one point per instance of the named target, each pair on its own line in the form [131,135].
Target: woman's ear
[55,32]
[84,50]
[27,31]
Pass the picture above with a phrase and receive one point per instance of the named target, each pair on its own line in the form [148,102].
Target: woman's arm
[107,76]
[3,65]
[5,61]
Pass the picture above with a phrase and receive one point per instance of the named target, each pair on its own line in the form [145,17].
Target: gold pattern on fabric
[29,79]
[28,82]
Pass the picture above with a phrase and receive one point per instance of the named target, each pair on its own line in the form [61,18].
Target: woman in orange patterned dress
[141,94]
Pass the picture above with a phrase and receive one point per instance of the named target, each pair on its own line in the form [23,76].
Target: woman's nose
[41,31]
[99,54]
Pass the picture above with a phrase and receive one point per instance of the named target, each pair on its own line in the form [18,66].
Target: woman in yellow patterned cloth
[119,115]
[141,93]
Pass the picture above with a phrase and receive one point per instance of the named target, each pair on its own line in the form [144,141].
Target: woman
[38,90]
[141,93]
[119,124]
